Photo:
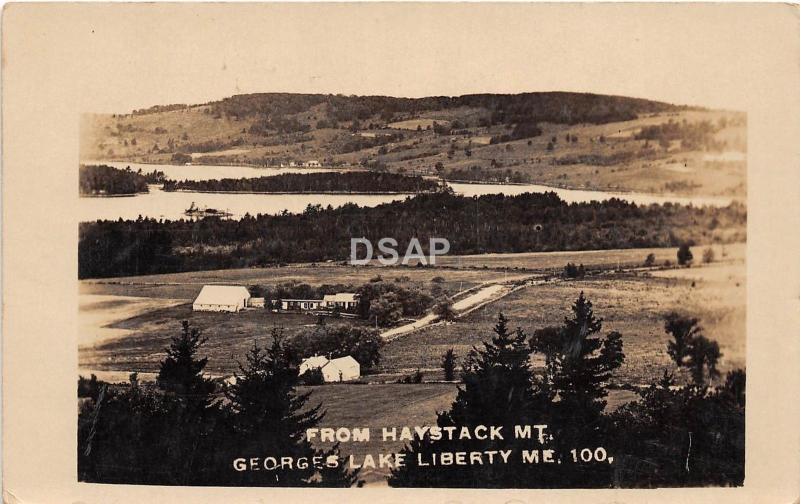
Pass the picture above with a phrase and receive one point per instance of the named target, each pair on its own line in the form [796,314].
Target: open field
[377,406]
[188,285]
[229,337]
[632,304]
[555,261]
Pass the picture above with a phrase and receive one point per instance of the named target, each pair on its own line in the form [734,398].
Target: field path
[487,294]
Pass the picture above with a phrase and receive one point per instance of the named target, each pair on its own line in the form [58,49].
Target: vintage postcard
[533,249]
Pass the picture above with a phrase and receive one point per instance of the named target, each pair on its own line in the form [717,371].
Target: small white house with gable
[333,370]
[221,298]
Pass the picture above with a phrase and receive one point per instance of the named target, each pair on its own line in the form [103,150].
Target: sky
[138,55]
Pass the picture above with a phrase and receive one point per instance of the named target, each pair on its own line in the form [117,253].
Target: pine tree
[181,373]
[449,364]
[188,408]
[579,364]
[270,419]
[585,361]
[498,391]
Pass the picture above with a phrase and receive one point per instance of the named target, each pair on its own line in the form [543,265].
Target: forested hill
[492,223]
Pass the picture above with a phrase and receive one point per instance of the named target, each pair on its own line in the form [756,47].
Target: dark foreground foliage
[530,222]
[671,436]
[184,433]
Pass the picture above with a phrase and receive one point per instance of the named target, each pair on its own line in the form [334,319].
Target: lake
[171,205]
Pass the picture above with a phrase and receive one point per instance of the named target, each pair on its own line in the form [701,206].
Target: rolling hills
[573,140]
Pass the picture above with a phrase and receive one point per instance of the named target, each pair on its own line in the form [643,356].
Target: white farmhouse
[346,301]
[333,370]
[221,298]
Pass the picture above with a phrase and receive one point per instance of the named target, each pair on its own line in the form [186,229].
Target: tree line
[524,108]
[326,182]
[530,222]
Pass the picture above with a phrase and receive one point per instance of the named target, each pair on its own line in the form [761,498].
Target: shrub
[685,255]
[312,376]
[415,377]
[449,364]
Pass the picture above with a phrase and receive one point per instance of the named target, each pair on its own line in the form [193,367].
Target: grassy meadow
[633,304]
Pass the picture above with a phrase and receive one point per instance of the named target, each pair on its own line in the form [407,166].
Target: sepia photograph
[445,261]
[271,279]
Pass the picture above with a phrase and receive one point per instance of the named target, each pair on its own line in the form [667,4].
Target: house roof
[343,361]
[222,294]
[342,297]
[320,361]
[316,361]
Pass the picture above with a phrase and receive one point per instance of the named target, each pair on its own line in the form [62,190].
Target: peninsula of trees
[106,180]
[327,182]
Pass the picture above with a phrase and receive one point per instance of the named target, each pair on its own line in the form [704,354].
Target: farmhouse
[221,298]
[345,301]
[333,370]
[302,304]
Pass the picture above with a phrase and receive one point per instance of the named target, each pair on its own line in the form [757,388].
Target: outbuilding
[221,298]
[333,370]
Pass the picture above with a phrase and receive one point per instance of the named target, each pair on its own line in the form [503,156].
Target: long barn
[221,298]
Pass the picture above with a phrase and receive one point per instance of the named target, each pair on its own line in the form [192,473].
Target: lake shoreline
[338,193]
[123,195]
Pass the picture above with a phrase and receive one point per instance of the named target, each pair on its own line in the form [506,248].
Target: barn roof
[343,361]
[222,294]
[342,297]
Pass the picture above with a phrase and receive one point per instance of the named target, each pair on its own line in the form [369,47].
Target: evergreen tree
[181,372]
[449,364]
[270,419]
[690,349]
[579,364]
[497,391]
[190,409]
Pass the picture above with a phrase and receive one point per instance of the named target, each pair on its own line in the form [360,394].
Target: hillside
[558,139]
